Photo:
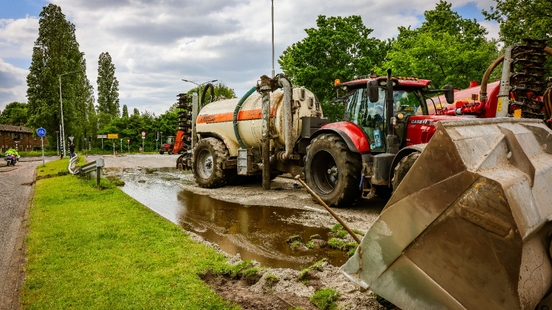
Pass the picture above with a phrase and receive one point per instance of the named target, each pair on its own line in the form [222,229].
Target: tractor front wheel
[208,156]
[402,168]
[332,171]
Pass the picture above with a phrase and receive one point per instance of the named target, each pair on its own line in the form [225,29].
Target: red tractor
[168,146]
[387,124]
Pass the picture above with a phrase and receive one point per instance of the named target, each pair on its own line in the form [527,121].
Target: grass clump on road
[97,248]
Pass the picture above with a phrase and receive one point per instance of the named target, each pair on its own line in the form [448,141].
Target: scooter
[11,159]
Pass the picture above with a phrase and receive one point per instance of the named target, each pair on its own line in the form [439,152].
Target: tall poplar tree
[57,64]
[125,111]
[108,90]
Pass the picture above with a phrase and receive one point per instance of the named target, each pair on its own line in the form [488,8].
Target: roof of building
[11,128]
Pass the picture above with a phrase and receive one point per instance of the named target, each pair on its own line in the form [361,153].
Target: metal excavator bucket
[469,226]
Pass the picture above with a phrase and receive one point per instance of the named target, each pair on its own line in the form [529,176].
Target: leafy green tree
[339,48]
[108,89]
[446,49]
[520,19]
[57,63]
[125,111]
[136,112]
[15,113]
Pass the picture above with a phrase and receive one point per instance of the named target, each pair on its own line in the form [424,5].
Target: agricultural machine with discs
[182,142]
[468,223]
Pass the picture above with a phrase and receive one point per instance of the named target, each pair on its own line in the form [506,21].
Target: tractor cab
[365,105]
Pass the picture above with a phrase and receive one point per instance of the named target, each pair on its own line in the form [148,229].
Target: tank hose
[235,118]
[212,88]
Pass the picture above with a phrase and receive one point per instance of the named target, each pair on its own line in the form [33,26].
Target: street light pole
[61,107]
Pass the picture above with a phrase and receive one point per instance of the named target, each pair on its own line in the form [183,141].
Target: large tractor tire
[208,156]
[402,168]
[332,171]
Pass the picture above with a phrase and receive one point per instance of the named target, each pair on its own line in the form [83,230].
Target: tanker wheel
[209,154]
[402,168]
[170,151]
[332,171]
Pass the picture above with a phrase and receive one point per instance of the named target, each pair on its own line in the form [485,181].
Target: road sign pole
[41,132]
[42,139]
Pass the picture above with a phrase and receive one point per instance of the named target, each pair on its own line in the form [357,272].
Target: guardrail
[90,167]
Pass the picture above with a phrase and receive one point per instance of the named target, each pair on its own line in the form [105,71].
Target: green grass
[325,298]
[92,248]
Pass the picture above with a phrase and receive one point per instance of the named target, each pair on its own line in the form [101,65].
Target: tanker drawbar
[469,226]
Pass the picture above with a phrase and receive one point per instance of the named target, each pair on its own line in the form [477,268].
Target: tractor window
[406,102]
[363,112]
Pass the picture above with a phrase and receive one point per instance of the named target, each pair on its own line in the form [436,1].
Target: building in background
[20,138]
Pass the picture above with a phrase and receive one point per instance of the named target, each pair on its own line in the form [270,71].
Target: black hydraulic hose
[235,117]
[212,88]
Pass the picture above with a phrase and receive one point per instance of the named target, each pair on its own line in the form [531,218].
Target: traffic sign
[41,132]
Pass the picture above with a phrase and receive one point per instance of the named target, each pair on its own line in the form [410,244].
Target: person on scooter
[11,156]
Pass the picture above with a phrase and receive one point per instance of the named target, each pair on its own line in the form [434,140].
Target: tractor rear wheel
[208,156]
[332,171]
[402,168]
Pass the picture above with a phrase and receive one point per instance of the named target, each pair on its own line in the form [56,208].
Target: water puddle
[255,232]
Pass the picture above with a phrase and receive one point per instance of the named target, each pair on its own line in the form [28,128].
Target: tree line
[446,48]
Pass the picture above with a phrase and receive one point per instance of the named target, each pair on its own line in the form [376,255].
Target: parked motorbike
[11,159]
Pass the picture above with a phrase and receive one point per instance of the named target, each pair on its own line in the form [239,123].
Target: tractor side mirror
[449,93]
[373,91]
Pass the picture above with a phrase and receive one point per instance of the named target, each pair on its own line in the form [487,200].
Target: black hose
[202,101]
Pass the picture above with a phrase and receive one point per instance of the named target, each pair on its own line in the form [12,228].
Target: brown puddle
[255,232]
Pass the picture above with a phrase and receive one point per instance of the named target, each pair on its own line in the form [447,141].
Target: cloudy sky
[155,44]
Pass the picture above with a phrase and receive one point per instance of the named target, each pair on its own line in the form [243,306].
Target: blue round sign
[41,132]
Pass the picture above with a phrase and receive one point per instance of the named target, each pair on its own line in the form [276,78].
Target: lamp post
[199,85]
[61,107]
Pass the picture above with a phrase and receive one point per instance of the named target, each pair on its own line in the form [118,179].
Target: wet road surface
[255,232]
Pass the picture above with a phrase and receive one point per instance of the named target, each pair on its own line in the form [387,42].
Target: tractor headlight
[393,121]
[400,116]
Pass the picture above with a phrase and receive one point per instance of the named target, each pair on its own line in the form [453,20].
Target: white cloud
[156,43]
[12,84]
[17,37]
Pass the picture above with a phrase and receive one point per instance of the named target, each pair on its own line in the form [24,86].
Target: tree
[339,48]
[125,111]
[108,89]
[446,49]
[15,113]
[520,19]
[57,63]
[136,112]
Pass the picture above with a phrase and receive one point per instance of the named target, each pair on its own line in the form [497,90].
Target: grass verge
[92,248]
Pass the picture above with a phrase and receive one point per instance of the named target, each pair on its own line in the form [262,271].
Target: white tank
[217,117]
